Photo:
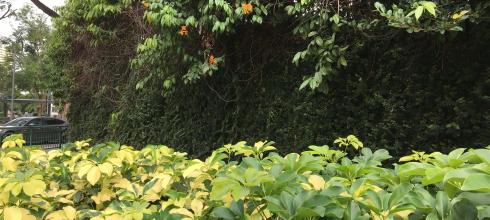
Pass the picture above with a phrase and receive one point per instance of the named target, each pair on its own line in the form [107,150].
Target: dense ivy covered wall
[399,91]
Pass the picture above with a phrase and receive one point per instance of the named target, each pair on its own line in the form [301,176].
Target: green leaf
[432,216]
[464,210]
[304,84]
[442,204]
[296,58]
[433,175]
[224,185]
[418,12]
[407,170]
[477,182]
[430,7]
[477,198]
[224,213]
[336,18]
[342,61]
[399,193]
[483,154]
[313,33]
[319,40]
[380,7]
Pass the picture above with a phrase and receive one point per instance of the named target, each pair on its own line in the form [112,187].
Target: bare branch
[8,11]
[45,8]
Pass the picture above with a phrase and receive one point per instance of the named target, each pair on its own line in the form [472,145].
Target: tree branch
[45,8]
[8,11]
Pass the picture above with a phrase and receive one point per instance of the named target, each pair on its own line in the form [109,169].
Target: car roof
[33,117]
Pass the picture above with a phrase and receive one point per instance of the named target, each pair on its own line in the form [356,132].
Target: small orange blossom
[247,8]
[211,59]
[183,31]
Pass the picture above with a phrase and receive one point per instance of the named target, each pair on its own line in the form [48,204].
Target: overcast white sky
[8,24]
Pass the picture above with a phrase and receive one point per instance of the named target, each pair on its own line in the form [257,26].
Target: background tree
[27,48]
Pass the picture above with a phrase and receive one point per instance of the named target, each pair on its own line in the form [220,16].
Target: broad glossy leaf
[34,187]
[224,213]
[316,181]
[464,210]
[93,175]
[12,213]
[398,194]
[407,170]
[442,205]
[479,182]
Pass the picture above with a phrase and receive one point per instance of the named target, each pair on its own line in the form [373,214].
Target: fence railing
[51,136]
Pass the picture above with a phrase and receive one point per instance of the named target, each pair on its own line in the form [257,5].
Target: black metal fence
[45,136]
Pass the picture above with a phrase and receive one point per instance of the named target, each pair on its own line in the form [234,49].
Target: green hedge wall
[412,92]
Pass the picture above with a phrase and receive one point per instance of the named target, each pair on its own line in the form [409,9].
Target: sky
[7,25]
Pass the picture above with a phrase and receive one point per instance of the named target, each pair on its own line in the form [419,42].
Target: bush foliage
[239,181]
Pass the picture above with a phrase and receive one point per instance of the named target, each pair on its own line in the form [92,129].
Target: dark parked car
[36,130]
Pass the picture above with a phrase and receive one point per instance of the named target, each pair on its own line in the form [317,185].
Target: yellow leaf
[457,16]
[106,168]
[16,189]
[9,164]
[5,144]
[104,195]
[93,175]
[4,196]
[64,200]
[81,144]
[37,156]
[84,169]
[406,158]
[34,187]
[193,170]
[137,216]
[64,192]
[54,153]
[8,144]
[12,213]
[58,215]
[151,197]
[316,181]
[182,211]
[122,183]
[165,180]
[14,155]
[197,206]
[259,144]
[376,188]
[11,143]
[345,194]
[116,161]
[26,215]
[70,212]
[306,186]
[114,217]
[19,142]
[404,214]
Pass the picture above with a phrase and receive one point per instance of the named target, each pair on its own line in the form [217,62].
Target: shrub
[238,181]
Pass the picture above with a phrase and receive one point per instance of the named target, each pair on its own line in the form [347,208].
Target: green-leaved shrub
[238,181]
